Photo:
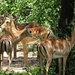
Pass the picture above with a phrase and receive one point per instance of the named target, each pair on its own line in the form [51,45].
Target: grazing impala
[55,48]
[42,31]
[10,27]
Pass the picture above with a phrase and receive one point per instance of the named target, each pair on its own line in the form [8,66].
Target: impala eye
[29,31]
[7,22]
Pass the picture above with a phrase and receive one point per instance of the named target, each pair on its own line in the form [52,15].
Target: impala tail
[5,45]
[42,52]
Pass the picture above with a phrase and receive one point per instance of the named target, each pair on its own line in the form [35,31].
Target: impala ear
[26,27]
[52,34]
[2,16]
[73,23]
[28,30]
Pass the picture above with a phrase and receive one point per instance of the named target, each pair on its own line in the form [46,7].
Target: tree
[64,27]
[66,16]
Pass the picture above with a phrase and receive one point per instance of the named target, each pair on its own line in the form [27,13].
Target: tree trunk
[66,16]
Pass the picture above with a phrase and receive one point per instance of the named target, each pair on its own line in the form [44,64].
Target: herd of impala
[48,47]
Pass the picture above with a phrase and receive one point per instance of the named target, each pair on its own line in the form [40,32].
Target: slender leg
[48,64]
[64,64]
[8,61]
[60,62]
[15,46]
[40,64]
[25,54]
[0,62]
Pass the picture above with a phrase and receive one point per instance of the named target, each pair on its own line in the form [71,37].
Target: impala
[42,31]
[7,44]
[55,48]
[10,27]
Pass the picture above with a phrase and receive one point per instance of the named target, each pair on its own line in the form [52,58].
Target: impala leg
[64,64]
[14,47]
[40,64]
[25,54]
[0,62]
[48,64]
[9,59]
[60,62]
[40,61]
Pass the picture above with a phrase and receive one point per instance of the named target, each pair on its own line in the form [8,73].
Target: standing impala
[7,44]
[55,48]
[10,27]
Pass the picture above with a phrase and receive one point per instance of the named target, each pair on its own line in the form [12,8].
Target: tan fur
[55,48]
[11,29]
[42,31]
[5,38]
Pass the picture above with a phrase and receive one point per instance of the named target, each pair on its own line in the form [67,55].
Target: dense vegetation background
[45,12]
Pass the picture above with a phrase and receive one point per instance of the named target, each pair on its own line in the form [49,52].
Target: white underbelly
[57,56]
[58,53]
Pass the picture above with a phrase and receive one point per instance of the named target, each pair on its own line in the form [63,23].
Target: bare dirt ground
[17,64]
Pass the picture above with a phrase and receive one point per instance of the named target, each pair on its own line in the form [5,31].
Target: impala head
[7,24]
[29,32]
[41,31]
[2,17]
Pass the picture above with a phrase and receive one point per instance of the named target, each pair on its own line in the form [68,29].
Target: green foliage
[3,7]
[41,11]
[71,63]
[51,69]
[12,73]
[45,12]
[30,71]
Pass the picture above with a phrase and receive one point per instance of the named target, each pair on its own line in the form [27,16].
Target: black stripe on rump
[4,45]
[42,50]
[48,34]
[1,46]
[8,45]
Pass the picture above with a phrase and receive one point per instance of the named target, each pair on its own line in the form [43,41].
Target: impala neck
[14,31]
[19,38]
[73,38]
